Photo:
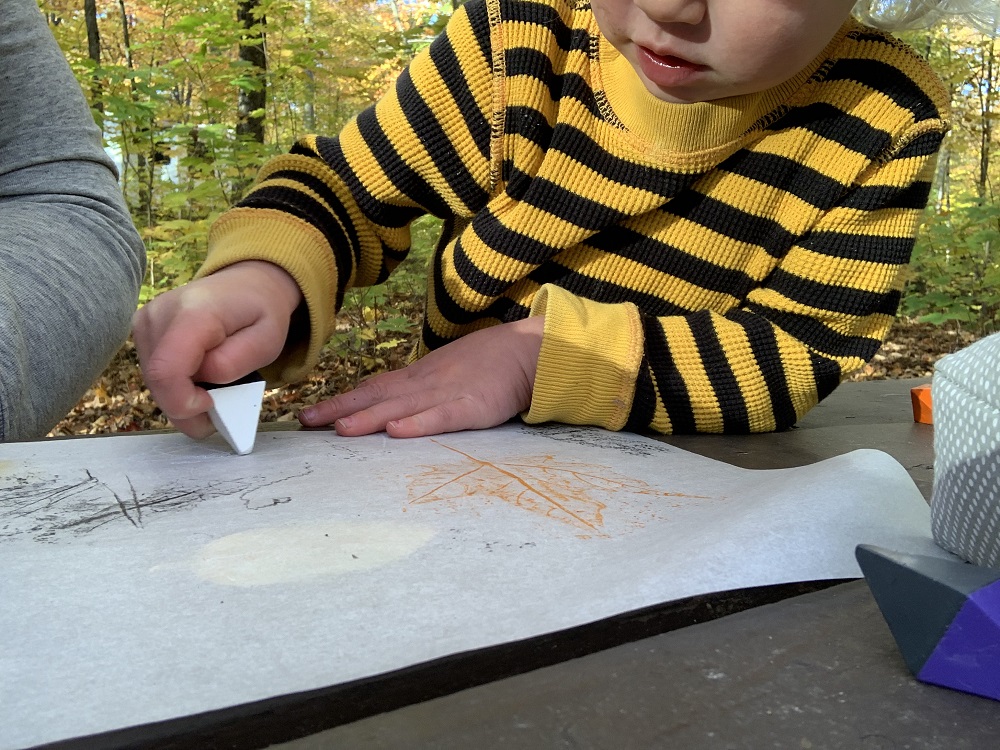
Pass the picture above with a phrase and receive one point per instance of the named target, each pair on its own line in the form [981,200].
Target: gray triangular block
[919,596]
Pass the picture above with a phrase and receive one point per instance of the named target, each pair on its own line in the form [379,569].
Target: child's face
[697,50]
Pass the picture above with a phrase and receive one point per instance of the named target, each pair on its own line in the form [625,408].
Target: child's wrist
[531,329]
[278,284]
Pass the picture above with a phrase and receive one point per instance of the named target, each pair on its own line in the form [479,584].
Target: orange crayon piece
[921,398]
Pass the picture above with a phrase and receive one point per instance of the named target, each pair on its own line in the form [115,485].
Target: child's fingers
[368,394]
[171,371]
[411,414]
[241,353]
[450,416]
[367,409]
[375,417]
[216,329]
[322,414]
[411,417]
[197,427]
[476,382]
[169,364]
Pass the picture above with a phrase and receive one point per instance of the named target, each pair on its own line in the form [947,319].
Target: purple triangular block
[968,656]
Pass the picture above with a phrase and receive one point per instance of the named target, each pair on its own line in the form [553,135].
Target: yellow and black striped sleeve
[761,365]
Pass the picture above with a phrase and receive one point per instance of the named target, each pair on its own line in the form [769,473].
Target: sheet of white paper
[151,577]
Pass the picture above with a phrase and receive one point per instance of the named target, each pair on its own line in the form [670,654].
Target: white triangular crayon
[236,413]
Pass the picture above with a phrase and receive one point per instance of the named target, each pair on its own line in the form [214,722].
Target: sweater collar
[699,130]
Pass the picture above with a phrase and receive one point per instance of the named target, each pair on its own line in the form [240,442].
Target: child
[669,215]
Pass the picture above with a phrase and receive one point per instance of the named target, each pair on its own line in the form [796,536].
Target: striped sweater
[707,267]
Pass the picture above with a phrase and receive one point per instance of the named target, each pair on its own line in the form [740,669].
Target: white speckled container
[965,507]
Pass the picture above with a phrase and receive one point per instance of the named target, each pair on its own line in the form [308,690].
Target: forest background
[194,95]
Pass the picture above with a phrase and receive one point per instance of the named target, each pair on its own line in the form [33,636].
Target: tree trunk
[143,138]
[396,17]
[987,99]
[310,105]
[125,35]
[252,100]
[94,53]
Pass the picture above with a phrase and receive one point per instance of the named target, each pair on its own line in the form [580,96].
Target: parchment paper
[150,577]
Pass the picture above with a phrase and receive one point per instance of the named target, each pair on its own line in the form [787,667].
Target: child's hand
[481,380]
[216,329]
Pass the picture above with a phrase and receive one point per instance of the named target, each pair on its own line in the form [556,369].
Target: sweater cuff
[589,361]
[301,250]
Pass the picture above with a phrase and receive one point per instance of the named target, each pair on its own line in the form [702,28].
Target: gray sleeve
[71,261]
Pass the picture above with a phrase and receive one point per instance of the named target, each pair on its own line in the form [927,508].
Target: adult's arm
[71,261]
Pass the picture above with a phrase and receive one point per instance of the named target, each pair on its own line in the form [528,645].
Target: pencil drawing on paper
[53,507]
[594,438]
[570,492]
[130,491]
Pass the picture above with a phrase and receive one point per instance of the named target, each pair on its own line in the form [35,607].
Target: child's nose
[674,11]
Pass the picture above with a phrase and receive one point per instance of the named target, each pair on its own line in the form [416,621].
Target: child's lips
[666,70]
[672,60]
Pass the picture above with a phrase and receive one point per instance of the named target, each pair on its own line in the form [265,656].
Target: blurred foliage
[165,91]
[379,324]
[954,276]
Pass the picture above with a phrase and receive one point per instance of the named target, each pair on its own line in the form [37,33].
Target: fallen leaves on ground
[911,349]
